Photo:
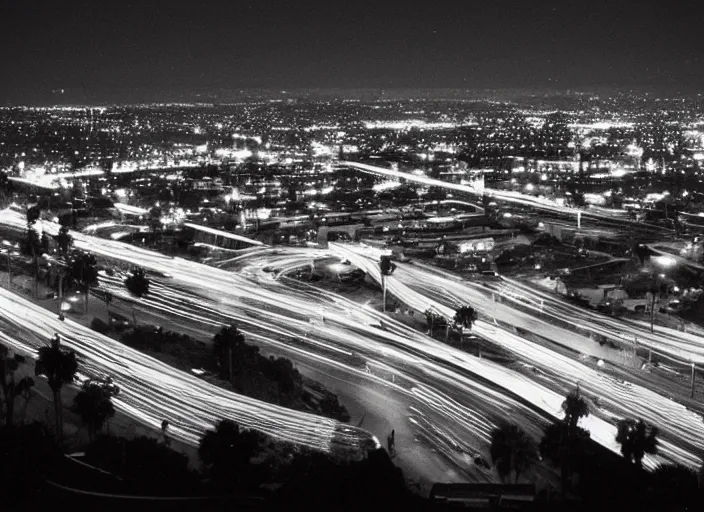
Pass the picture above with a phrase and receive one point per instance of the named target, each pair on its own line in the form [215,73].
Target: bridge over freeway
[546,205]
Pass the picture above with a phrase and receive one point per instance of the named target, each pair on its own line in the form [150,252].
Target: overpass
[542,204]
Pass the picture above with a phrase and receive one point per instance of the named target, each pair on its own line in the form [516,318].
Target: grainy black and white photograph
[352,255]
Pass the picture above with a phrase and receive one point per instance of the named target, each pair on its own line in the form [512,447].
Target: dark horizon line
[77,96]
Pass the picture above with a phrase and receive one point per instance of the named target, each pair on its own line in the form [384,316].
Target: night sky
[111,49]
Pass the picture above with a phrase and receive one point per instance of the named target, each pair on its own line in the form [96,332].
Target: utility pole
[635,345]
[693,380]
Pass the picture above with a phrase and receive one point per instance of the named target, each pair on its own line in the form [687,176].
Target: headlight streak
[348,327]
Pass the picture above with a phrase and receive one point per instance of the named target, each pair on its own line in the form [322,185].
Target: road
[683,430]
[339,343]
[451,399]
[153,391]
[445,399]
[543,204]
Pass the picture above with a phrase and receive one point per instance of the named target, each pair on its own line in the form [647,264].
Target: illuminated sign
[479,245]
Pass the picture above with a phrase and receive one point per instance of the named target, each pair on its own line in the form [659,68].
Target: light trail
[683,430]
[153,391]
[275,315]
[503,195]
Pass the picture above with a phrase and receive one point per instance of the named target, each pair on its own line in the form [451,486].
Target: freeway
[602,214]
[153,391]
[449,409]
[565,323]
[453,398]
[450,400]
[683,430]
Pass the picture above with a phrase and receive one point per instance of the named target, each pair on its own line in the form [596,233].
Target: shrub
[99,325]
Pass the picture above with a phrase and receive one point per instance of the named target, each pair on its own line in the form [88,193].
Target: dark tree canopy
[57,364]
[94,405]
[147,467]
[84,270]
[512,451]
[226,453]
[12,386]
[465,316]
[138,283]
[636,439]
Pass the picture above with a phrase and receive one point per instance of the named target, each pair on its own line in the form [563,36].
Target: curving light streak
[504,195]
[683,430]
[152,391]
[275,314]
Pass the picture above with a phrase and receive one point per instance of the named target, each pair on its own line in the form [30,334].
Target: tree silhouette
[465,316]
[64,240]
[33,214]
[145,465]
[564,442]
[138,285]
[94,405]
[642,252]
[636,439]
[226,453]
[225,344]
[11,386]
[575,408]
[84,271]
[512,451]
[386,267]
[59,366]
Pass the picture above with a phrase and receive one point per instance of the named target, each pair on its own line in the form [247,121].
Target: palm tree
[59,366]
[387,267]
[226,453]
[575,408]
[464,318]
[94,405]
[564,441]
[512,451]
[84,271]
[11,387]
[138,285]
[224,343]
[636,439]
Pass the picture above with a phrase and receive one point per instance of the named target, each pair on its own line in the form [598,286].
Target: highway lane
[219,286]
[568,321]
[350,350]
[270,315]
[601,214]
[273,316]
[153,391]
[683,430]
[685,347]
